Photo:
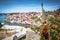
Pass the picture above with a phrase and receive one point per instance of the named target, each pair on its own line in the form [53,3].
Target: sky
[12,6]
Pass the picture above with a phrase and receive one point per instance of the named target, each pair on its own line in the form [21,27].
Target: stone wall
[31,35]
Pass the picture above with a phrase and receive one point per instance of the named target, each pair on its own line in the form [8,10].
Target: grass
[2,30]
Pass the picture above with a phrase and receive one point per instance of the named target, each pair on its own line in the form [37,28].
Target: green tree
[1,25]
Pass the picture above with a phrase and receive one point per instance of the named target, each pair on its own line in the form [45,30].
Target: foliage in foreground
[50,29]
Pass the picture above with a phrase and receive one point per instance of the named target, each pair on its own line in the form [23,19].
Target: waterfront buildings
[28,18]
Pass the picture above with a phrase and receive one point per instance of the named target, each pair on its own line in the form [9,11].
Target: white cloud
[22,9]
